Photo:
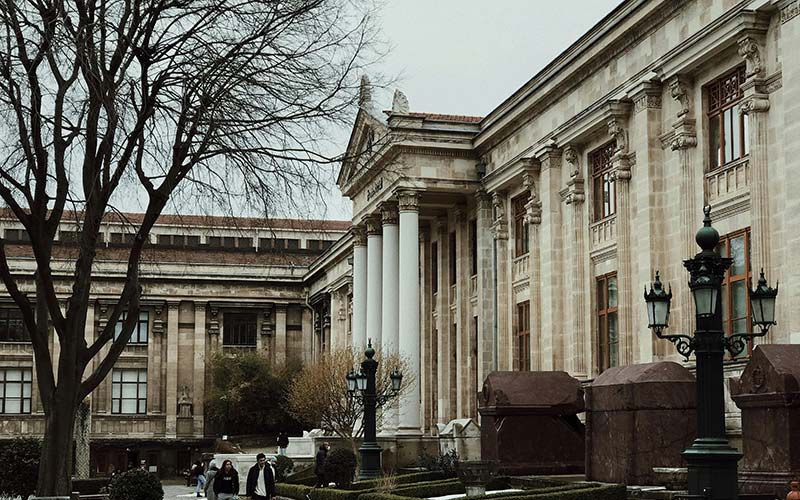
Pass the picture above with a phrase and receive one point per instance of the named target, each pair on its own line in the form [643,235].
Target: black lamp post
[711,460]
[364,382]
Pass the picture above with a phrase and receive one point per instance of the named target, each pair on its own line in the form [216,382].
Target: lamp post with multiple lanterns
[712,462]
[362,385]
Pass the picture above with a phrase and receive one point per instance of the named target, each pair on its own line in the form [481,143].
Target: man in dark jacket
[283,442]
[260,480]
[319,465]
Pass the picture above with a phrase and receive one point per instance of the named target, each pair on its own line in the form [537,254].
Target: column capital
[685,134]
[646,95]
[549,156]
[359,235]
[680,88]
[408,200]
[622,164]
[756,98]
[483,199]
[373,224]
[389,214]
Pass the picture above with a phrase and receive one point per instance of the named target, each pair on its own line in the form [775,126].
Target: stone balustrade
[520,268]
[728,182]
[604,233]
[473,285]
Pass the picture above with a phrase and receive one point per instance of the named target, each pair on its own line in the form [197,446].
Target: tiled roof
[443,117]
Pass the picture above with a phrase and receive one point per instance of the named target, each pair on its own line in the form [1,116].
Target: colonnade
[386,288]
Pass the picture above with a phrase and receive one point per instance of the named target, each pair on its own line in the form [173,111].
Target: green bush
[339,467]
[430,489]
[297,491]
[20,466]
[136,484]
[564,491]
[415,477]
[304,476]
[447,463]
[283,467]
[334,494]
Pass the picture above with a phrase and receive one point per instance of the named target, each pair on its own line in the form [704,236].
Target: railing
[604,233]
[728,182]
[520,268]
[473,285]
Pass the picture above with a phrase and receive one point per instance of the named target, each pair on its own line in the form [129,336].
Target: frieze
[375,188]
[646,101]
[790,11]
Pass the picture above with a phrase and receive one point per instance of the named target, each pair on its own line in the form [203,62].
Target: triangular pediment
[363,144]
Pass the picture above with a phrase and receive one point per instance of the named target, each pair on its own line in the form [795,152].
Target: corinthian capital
[359,236]
[408,200]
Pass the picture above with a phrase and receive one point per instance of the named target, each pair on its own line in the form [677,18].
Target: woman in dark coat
[226,482]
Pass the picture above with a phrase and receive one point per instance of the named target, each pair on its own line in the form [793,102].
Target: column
[374,279]
[551,326]
[575,198]
[280,334]
[486,285]
[172,369]
[199,382]
[533,217]
[621,166]
[501,341]
[755,105]
[359,288]
[685,142]
[408,322]
[390,313]
[155,349]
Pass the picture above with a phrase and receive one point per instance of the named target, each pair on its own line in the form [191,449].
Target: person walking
[209,487]
[283,443]
[260,480]
[226,482]
[319,464]
[199,472]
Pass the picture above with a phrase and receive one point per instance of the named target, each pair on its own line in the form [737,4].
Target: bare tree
[319,393]
[149,97]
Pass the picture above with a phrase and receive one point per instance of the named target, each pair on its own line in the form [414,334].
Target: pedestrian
[283,442]
[209,487]
[226,482]
[199,472]
[261,480]
[319,464]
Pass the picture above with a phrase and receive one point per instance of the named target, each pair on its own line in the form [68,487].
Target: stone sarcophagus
[639,417]
[768,393]
[529,422]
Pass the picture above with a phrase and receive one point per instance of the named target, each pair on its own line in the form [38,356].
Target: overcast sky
[467,56]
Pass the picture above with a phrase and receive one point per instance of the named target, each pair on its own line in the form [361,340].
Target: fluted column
[503,307]
[756,105]
[359,288]
[374,278]
[575,198]
[621,165]
[390,306]
[533,217]
[408,322]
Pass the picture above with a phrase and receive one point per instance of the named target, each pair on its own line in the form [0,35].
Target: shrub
[415,477]
[136,484]
[447,463]
[20,466]
[297,491]
[304,476]
[430,489]
[339,467]
[283,467]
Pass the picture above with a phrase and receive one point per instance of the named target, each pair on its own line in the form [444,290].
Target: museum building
[521,240]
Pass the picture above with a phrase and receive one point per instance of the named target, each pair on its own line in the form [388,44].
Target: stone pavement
[177,489]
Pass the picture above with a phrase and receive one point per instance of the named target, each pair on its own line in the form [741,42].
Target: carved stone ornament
[618,132]
[158,320]
[750,50]
[213,320]
[679,89]
[683,141]
[533,212]
[389,214]
[754,104]
[359,236]
[373,224]
[790,11]
[499,206]
[266,322]
[365,94]
[408,201]
[621,167]
[573,158]
[400,103]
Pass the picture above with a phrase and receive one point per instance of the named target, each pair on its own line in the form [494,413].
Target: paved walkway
[176,489]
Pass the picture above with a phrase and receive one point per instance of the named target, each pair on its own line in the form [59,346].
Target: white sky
[467,56]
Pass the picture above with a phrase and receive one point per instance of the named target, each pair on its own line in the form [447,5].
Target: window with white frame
[129,391]
[139,334]
[16,384]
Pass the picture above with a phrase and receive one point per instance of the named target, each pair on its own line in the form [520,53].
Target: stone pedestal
[768,393]
[639,417]
[529,423]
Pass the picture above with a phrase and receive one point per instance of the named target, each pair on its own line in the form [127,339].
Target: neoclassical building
[522,240]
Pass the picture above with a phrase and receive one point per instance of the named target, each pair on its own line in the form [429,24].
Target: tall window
[727,128]
[605,192]
[12,329]
[239,329]
[607,331]
[735,302]
[139,334]
[453,258]
[524,336]
[15,394]
[434,267]
[473,247]
[521,239]
[129,391]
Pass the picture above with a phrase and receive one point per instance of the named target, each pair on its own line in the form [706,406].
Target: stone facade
[209,285]
[537,226]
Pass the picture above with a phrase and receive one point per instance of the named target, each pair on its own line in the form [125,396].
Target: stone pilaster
[307,325]
[552,294]
[198,381]
[172,369]
[621,166]
[501,345]
[486,285]
[155,348]
[446,366]
[576,195]
[359,337]
[374,278]
[533,217]
[409,308]
[280,334]
[464,384]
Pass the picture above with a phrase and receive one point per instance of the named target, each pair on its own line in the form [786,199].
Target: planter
[475,474]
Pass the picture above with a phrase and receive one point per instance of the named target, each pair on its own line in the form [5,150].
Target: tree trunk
[55,466]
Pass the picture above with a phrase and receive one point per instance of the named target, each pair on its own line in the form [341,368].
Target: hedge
[574,491]
[297,491]
[304,476]
[430,489]
[334,494]
[414,477]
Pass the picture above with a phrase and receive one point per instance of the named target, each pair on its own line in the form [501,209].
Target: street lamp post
[364,381]
[711,461]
